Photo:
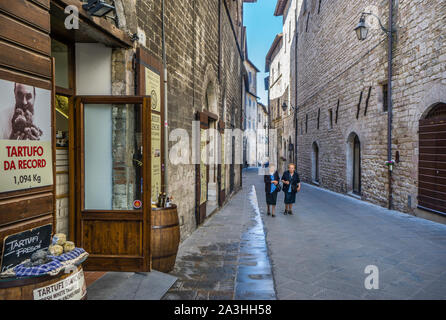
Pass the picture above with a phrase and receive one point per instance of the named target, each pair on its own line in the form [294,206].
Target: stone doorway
[432,160]
[315,163]
[354,164]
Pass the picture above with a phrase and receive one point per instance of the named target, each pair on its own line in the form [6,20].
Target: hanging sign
[156,156]
[70,288]
[223,165]
[25,137]
[19,247]
[203,171]
[153,88]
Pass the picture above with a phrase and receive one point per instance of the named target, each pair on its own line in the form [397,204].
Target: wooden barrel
[165,238]
[45,287]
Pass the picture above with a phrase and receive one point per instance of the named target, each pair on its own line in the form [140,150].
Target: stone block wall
[197,56]
[334,68]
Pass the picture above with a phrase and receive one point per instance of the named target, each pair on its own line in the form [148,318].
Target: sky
[262,27]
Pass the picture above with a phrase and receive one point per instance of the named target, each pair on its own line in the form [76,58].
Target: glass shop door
[113,182]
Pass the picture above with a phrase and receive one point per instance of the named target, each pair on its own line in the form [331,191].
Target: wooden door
[202,170]
[432,161]
[357,166]
[221,185]
[113,204]
[201,173]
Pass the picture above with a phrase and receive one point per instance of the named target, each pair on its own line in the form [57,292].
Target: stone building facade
[205,57]
[204,65]
[342,118]
[262,133]
[281,65]
[250,115]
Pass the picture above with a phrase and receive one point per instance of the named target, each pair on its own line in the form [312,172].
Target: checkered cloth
[22,271]
[69,255]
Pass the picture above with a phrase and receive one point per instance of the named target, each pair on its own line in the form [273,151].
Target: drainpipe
[166,113]
[295,85]
[389,100]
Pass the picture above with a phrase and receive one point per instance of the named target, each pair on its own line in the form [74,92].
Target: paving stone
[217,262]
[331,238]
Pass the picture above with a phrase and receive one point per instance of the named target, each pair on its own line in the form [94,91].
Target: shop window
[112,177]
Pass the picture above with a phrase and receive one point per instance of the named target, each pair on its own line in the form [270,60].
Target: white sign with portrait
[25,137]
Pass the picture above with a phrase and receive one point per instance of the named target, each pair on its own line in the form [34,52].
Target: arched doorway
[315,163]
[354,164]
[357,166]
[432,160]
[211,106]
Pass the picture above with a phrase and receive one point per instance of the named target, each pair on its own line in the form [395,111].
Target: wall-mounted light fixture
[362,29]
[98,8]
[285,107]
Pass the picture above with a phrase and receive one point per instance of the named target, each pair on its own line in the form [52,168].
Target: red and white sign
[25,137]
[137,204]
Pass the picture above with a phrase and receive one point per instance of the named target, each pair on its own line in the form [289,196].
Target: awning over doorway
[91,29]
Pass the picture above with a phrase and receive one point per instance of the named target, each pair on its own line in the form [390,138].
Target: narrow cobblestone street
[227,257]
[320,252]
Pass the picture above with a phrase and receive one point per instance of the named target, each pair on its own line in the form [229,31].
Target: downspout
[166,114]
[389,100]
[295,84]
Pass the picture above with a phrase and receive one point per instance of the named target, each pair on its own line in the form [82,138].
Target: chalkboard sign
[21,246]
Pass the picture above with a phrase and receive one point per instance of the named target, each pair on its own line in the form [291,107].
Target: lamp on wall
[285,107]
[362,30]
[98,8]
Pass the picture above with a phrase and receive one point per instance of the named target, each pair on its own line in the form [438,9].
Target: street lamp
[362,30]
[98,8]
[285,107]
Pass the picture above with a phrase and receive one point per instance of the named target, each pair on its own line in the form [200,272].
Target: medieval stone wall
[198,59]
[341,84]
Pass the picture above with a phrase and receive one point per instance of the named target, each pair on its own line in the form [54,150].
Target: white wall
[93,70]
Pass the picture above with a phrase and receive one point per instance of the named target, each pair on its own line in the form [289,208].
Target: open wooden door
[113,202]
[222,166]
[202,169]
[201,172]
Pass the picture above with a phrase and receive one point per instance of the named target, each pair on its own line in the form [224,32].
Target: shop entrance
[206,177]
[113,182]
